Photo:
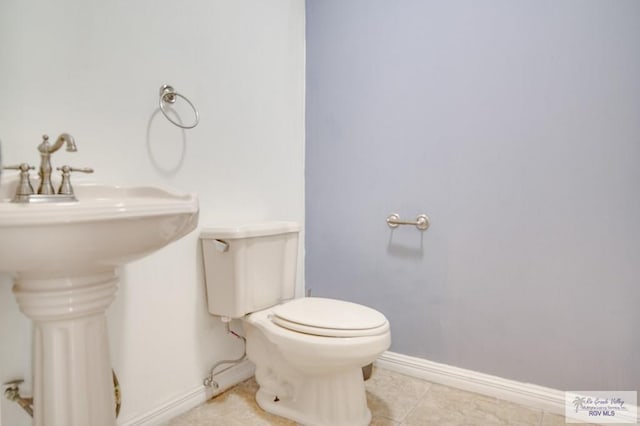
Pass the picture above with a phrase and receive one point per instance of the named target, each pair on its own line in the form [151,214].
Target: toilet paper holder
[421,223]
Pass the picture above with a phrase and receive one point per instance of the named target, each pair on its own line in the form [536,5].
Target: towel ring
[168,95]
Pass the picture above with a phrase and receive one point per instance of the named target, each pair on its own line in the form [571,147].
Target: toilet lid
[328,317]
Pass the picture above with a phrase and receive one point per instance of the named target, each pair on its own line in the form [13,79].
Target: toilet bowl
[315,377]
[308,352]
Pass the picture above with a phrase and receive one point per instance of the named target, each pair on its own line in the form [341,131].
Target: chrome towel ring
[168,95]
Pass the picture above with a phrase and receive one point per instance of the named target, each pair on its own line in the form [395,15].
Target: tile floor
[394,400]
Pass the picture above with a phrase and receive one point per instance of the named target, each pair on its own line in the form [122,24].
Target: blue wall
[516,126]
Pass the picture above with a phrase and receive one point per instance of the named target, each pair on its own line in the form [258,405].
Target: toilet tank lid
[261,229]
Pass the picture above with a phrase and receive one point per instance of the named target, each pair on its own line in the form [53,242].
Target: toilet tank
[250,267]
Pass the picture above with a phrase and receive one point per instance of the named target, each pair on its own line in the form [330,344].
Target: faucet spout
[63,138]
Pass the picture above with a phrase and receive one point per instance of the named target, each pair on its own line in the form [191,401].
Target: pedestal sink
[63,257]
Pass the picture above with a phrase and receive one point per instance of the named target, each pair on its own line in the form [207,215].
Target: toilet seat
[329,318]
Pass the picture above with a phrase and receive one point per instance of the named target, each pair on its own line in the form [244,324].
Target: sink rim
[96,202]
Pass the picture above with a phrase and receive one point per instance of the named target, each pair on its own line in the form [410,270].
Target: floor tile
[549,419]
[393,395]
[383,421]
[552,420]
[447,406]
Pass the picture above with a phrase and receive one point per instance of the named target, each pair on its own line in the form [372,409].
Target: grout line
[422,398]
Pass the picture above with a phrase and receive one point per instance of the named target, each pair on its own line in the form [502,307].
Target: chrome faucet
[46,149]
[46,193]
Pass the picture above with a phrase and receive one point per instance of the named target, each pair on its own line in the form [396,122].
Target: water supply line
[209,382]
[12,393]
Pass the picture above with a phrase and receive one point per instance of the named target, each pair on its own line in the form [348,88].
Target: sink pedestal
[64,257]
[73,385]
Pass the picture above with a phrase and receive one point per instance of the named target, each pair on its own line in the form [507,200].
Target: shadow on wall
[166,144]
[410,247]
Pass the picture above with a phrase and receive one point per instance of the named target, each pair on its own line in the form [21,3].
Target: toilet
[308,352]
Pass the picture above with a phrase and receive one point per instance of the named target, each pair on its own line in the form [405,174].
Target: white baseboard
[530,395]
[162,414]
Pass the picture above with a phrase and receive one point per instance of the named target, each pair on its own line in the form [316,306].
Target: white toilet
[308,352]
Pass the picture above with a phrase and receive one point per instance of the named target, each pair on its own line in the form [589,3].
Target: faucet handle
[24,186]
[65,185]
[24,167]
[67,169]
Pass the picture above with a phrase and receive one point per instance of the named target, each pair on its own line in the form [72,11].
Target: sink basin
[63,257]
[108,226]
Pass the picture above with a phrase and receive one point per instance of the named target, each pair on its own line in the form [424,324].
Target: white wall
[93,69]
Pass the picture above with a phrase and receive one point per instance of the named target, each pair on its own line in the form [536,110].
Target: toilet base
[333,400]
